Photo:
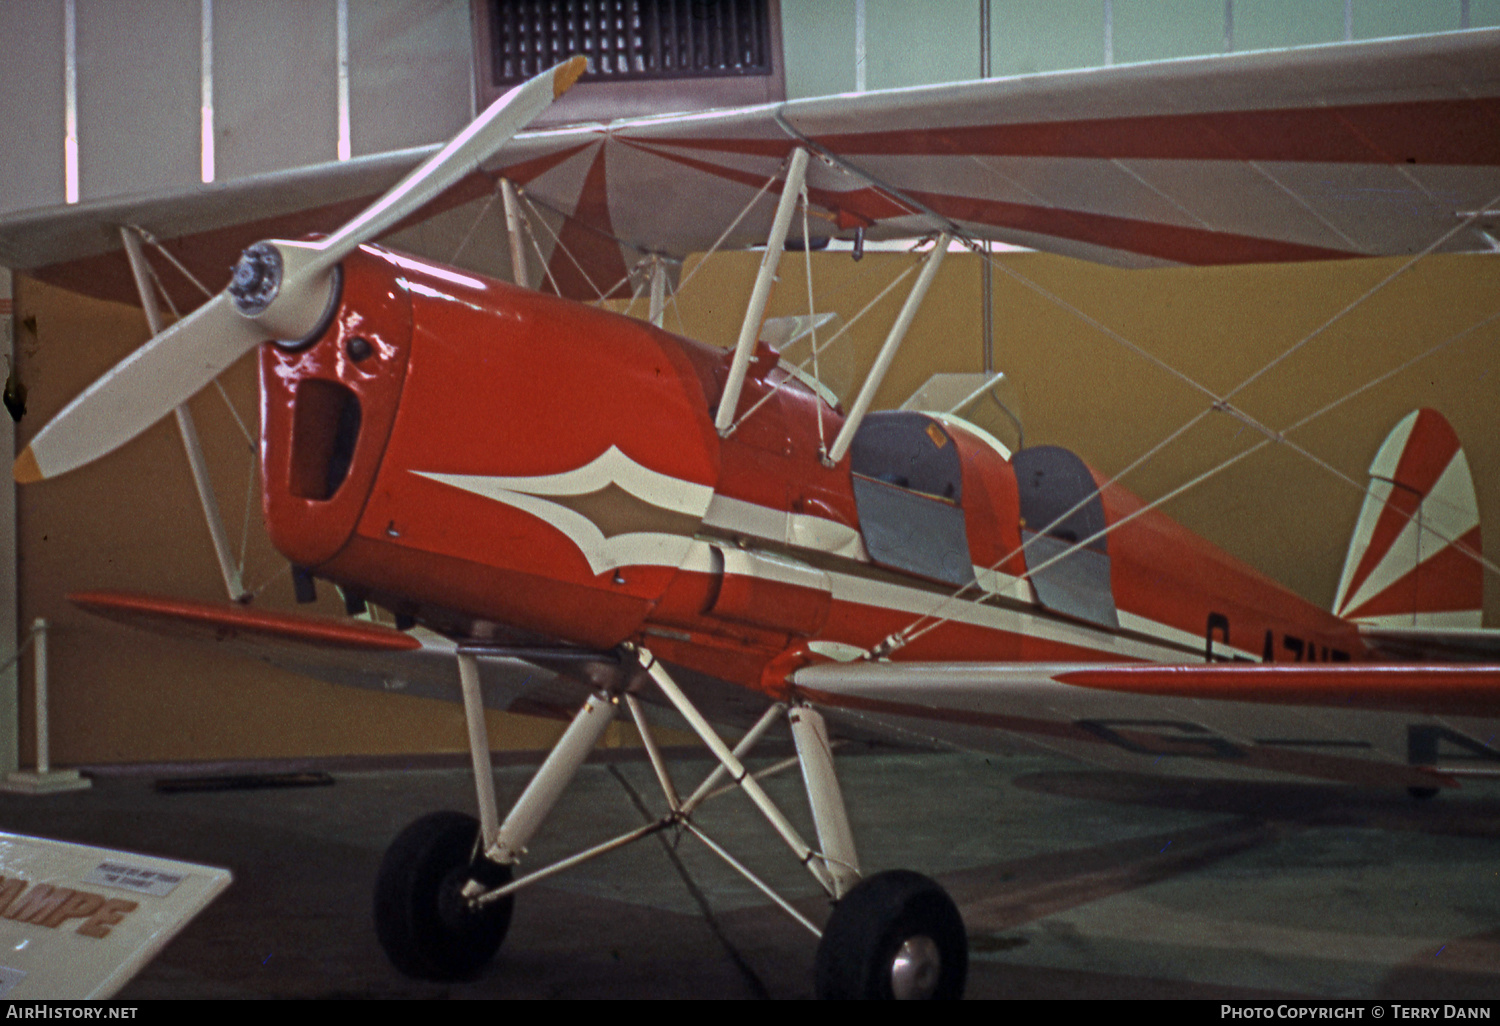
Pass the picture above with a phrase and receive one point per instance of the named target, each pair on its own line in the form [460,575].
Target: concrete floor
[1073,883]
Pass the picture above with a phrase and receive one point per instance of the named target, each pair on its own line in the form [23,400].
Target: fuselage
[501,463]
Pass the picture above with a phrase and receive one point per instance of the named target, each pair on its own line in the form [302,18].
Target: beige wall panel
[139,75]
[31,89]
[275,85]
[409,72]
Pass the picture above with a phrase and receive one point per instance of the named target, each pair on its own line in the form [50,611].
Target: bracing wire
[164,251]
[844,330]
[919,626]
[558,243]
[537,246]
[474,225]
[223,395]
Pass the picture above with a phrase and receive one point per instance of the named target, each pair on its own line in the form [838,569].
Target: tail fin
[1411,561]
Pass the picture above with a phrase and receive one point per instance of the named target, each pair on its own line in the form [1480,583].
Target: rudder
[1411,561]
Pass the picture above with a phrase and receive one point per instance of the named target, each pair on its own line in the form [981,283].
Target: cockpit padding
[908,481]
[1050,482]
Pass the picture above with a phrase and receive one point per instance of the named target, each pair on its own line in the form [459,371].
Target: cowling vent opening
[325,430]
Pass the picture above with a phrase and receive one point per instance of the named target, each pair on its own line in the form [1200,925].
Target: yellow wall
[131,521]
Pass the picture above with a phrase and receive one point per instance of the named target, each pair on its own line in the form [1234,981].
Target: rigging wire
[478,219]
[918,627]
[250,442]
[164,251]
[823,348]
[535,243]
[558,243]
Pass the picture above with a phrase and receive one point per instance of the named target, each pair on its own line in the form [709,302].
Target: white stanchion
[44,779]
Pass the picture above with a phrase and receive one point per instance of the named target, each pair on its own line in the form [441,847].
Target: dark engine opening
[325,429]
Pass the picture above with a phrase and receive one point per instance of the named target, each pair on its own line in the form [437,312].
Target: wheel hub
[916,969]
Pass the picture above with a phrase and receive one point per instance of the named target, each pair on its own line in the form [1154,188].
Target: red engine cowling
[494,452]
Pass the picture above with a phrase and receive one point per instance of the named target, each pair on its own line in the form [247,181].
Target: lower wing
[536,681]
[1415,726]
[1407,725]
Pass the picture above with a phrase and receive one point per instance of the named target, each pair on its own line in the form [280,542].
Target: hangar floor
[1073,883]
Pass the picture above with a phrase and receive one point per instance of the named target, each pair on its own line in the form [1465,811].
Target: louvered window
[628,40]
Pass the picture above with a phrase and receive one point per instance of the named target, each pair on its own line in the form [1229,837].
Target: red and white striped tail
[1411,562]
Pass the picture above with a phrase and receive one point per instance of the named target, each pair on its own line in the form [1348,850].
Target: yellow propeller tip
[568,73]
[25,470]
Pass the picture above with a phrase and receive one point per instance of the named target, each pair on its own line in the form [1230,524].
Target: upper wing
[1354,149]
[1404,726]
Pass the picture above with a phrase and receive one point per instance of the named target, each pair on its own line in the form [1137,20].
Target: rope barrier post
[44,779]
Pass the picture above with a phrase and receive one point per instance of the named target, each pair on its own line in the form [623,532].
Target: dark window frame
[630,40]
[603,97]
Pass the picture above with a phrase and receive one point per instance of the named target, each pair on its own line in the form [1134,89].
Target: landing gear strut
[445,891]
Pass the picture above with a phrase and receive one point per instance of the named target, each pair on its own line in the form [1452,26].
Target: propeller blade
[280,290]
[140,390]
[470,148]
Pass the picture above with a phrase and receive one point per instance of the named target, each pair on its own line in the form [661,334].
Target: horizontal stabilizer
[1451,644]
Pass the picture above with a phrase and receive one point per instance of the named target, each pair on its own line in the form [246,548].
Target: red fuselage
[503,463]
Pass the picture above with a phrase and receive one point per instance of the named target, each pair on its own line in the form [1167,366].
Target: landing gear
[1422,794]
[427,928]
[895,935]
[444,894]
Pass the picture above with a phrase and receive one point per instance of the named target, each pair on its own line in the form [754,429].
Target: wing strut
[888,352]
[188,428]
[513,229]
[761,293]
[658,291]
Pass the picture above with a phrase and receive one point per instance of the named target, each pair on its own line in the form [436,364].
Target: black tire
[426,929]
[1422,794]
[870,925]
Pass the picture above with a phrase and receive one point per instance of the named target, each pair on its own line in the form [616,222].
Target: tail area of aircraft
[1411,560]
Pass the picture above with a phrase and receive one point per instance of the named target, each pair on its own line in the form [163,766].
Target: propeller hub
[257,279]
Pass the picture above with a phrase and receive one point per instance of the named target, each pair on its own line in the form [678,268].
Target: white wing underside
[1383,147]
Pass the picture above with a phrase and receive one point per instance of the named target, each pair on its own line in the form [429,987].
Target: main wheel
[895,935]
[426,928]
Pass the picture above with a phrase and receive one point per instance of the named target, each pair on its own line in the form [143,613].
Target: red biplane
[593,513]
